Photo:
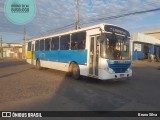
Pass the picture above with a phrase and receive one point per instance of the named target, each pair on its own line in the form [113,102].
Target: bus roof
[70,32]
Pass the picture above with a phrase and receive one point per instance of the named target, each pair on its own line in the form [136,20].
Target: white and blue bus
[101,51]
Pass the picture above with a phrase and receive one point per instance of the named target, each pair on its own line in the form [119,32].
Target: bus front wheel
[38,65]
[75,71]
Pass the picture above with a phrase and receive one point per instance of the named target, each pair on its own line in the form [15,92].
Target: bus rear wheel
[38,65]
[75,71]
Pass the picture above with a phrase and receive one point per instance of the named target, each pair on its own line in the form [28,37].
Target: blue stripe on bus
[119,66]
[65,56]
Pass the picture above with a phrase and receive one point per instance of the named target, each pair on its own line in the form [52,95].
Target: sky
[53,14]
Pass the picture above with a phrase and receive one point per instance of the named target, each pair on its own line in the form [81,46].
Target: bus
[101,51]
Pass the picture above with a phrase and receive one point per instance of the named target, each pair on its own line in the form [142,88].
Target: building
[11,50]
[154,33]
[144,46]
[1,48]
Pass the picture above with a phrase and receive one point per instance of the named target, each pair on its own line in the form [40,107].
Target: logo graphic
[20,12]
[6,114]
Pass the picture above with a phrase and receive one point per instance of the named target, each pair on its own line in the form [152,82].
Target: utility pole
[77,16]
[1,40]
[24,44]
[24,35]
[1,47]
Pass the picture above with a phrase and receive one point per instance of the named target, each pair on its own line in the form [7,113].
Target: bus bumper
[104,75]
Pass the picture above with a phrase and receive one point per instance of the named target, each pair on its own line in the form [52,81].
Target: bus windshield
[114,47]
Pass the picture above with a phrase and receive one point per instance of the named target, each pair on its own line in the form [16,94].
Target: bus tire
[38,65]
[69,73]
[75,71]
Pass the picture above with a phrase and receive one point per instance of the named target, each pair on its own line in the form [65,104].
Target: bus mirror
[100,29]
[101,38]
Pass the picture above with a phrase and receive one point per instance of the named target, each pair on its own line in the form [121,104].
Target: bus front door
[94,56]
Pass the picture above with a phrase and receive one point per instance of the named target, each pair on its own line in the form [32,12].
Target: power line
[105,18]
[1,49]
[111,17]
[124,10]
[110,12]
[122,15]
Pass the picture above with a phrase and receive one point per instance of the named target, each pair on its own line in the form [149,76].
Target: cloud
[143,28]
[52,14]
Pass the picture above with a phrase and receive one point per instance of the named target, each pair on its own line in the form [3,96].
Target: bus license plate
[121,75]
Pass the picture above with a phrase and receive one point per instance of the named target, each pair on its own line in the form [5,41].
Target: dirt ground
[22,87]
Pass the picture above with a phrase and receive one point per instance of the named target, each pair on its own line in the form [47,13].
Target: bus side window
[74,43]
[81,40]
[55,43]
[64,41]
[37,45]
[47,44]
[78,41]
[29,46]
[41,45]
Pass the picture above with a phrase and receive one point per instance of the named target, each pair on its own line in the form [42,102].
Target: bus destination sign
[114,29]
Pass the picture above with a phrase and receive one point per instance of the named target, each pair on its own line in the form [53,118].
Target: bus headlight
[106,68]
[109,70]
[128,70]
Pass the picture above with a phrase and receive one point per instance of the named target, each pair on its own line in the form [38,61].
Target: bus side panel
[64,56]
[63,66]
[55,65]
[60,59]
[83,70]
[79,56]
[47,55]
